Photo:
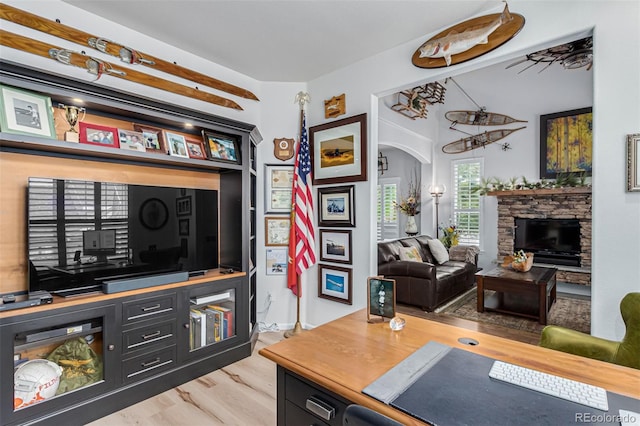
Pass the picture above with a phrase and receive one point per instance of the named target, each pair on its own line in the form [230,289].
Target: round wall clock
[154,214]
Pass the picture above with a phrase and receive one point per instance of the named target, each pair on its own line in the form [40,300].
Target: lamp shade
[437,190]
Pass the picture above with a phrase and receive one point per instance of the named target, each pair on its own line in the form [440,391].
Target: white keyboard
[570,390]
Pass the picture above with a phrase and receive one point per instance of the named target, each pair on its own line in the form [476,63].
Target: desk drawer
[149,336]
[298,416]
[314,400]
[148,364]
[142,309]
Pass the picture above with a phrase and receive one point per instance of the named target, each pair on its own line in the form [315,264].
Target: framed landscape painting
[335,246]
[566,143]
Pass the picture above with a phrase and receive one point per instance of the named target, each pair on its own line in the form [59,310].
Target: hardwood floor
[244,393]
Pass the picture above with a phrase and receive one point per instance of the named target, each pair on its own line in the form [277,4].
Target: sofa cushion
[423,240]
[411,254]
[388,251]
[438,250]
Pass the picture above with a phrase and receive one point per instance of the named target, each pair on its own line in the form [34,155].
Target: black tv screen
[81,233]
[556,236]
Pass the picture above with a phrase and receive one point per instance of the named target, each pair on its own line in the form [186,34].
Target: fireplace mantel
[542,191]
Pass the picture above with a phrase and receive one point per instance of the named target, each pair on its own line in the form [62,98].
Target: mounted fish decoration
[468,40]
[480,118]
[477,141]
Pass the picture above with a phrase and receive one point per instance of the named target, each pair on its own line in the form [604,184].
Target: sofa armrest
[577,343]
[463,253]
[407,268]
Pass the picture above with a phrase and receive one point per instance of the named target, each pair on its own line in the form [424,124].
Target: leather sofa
[426,284]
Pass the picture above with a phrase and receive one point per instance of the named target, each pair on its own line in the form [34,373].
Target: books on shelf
[210,324]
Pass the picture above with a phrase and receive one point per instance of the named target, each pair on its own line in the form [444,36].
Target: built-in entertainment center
[150,257]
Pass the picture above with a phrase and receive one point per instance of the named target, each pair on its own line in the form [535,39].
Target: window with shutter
[466,200]
[387,213]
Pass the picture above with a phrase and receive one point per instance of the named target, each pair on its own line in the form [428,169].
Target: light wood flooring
[243,393]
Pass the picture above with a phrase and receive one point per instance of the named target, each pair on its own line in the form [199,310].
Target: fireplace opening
[553,241]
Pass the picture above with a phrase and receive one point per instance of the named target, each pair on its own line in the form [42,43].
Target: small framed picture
[152,138]
[278,187]
[335,246]
[336,206]
[94,134]
[183,206]
[334,283]
[196,149]
[276,230]
[177,144]
[381,298]
[131,140]
[183,227]
[26,113]
[221,147]
[277,261]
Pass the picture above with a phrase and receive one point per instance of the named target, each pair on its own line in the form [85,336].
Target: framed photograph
[633,163]
[94,134]
[177,144]
[196,149]
[339,150]
[381,298]
[131,140]
[334,283]
[276,230]
[335,246]
[26,113]
[220,147]
[183,227]
[153,214]
[278,188]
[336,207]
[183,206]
[152,138]
[566,143]
[277,261]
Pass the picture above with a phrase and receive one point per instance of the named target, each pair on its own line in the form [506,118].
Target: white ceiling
[293,41]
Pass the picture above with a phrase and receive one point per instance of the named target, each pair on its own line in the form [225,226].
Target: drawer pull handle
[151,308]
[150,336]
[320,408]
[150,363]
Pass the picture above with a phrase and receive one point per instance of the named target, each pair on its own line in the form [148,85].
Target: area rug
[569,312]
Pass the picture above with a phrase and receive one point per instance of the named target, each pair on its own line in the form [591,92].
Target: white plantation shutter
[387,213]
[466,200]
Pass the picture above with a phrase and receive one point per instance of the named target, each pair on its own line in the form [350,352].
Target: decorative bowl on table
[521,261]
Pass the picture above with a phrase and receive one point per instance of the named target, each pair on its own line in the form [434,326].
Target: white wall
[616,102]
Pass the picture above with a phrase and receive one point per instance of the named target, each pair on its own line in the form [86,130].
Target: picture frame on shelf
[131,140]
[152,137]
[222,147]
[94,134]
[276,230]
[336,206]
[183,227]
[177,144]
[335,246]
[335,283]
[277,261]
[278,188]
[381,298]
[183,206]
[195,149]
[339,150]
[566,143]
[633,163]
[26,113]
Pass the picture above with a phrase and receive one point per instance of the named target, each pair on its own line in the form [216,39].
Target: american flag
[301,237]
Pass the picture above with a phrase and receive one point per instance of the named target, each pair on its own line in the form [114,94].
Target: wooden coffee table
[529,294]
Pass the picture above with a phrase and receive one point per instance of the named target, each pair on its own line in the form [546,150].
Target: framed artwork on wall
[566,143]
[381,298]
[278,187]
[633,163]
[26,113]
[339,151]
[335,246]
[334,283]
[336,206]
[277,261]
[276,230]
[183,206]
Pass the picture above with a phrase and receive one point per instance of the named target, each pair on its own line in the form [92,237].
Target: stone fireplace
[553,203]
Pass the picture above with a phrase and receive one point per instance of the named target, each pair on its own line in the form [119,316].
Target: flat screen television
[555,241]
[82,233]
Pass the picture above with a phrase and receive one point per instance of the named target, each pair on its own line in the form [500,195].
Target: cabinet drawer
[148,364]
[148,336]
[314,401]
[141,309]
[297,416]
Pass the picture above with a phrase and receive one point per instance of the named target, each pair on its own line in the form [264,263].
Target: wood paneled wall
[15,170]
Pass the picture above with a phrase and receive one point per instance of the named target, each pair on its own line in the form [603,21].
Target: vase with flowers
[410,206]
[450,235]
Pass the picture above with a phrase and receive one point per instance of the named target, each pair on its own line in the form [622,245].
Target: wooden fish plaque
[283,148]
[335,106]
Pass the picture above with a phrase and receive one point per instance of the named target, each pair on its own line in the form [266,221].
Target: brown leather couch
[426,284]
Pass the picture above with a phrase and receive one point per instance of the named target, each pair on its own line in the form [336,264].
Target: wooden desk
[345,355]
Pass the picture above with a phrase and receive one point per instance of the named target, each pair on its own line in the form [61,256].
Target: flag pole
[302,98]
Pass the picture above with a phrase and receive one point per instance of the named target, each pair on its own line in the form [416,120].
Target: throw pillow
[438,250]
[410,253]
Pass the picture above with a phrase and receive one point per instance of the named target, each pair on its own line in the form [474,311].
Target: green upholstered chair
[625,352]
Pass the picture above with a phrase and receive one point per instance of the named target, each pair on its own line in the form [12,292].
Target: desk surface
[346,355]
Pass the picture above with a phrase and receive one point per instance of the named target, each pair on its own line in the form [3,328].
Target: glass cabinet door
[212,318]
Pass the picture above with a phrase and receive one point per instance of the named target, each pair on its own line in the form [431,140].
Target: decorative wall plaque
[283,148]
[335,106]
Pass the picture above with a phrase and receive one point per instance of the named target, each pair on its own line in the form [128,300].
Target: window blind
[466,200]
